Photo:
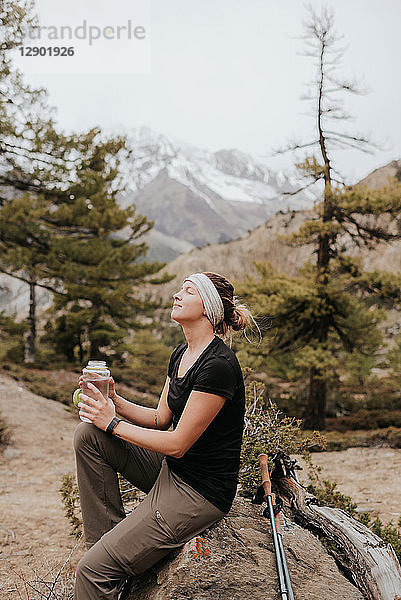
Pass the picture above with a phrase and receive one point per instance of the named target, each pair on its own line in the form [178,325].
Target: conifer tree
[332,304]
[35,161]
[84,249]
[101,269]
[34,155]
[60,224]
[25,246]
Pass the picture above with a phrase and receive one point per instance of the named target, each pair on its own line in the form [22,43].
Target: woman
[189,473]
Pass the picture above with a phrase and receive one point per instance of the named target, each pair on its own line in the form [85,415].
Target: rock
[234,560]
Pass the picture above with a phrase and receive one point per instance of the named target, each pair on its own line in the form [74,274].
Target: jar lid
[96,369]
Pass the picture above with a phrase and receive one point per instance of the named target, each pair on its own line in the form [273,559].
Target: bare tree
[342,210]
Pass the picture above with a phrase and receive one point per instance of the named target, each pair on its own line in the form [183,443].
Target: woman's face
[188,305]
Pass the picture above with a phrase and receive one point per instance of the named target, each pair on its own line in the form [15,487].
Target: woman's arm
[153,418]
[200,410]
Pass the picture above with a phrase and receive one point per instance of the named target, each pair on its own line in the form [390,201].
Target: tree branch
[28,281]
[32,151]
[293,147]
[362,140]
[301,189]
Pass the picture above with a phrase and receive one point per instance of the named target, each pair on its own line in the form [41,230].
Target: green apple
[75,397]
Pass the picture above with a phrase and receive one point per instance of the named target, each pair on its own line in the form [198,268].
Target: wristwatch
[112,425]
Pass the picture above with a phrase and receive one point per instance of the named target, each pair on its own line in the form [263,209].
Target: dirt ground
[371,476]
[34,533]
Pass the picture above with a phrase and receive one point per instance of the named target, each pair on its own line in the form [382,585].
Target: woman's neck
[198,337]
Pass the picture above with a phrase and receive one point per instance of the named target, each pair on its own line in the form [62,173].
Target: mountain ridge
[233,257]
[201,196]
[236,258]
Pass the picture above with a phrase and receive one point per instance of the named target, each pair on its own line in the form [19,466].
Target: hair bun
[241,317]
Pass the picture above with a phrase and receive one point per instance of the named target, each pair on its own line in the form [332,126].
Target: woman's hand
[112,388]
[96,408]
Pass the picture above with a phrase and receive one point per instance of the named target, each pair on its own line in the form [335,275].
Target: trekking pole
[282,555]
[265,493]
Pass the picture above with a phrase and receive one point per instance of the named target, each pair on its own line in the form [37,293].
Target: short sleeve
[216,376]
[173,358]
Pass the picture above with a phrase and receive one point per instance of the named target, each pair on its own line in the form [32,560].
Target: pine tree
[33,154]
[297,307]
[35,163]
[11,338]
[60,224]
[334,303]
[25,245]
[101,269]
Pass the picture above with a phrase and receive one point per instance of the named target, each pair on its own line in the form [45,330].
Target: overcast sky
[228,74]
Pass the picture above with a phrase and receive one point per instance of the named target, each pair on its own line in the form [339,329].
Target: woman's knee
[84,433]
[98,569]
[89,580]
[82,571]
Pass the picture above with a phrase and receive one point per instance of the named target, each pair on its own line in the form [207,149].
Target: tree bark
[31,337]
[81,350]
[368,561]
[94,350]
[315,414]
[316,409]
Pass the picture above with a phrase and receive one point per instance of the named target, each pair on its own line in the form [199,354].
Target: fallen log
[364,557]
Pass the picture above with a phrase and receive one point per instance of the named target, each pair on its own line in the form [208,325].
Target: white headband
[210,297]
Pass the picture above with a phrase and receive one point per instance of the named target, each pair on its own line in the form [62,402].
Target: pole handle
[266,483]
[267,486]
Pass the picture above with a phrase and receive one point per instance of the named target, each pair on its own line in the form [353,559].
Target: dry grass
[46,581]
[5,435]
[389,437]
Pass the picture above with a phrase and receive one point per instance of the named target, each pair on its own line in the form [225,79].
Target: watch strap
[113,424]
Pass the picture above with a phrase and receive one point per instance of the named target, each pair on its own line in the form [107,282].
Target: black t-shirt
[211,465]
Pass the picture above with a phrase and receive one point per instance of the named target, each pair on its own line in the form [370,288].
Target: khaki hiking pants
[118,545]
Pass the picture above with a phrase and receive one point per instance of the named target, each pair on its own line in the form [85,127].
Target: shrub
[388,437]
[13,351]
[12,346]
[389,533]
[144,363]
[70,499]
[4,433]
[365,419]
[47,383]
[266,431]
[394,437]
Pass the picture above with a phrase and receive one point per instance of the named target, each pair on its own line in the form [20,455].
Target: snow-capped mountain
[197,197]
